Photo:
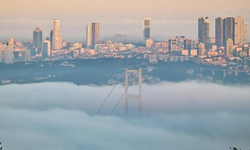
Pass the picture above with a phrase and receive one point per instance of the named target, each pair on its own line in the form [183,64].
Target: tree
[0,146]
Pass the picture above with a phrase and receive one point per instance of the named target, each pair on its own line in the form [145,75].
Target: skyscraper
[172,45]
[89,35]
[238,30]
[188,44]
[9,54]
[56,38]
[50,38]
[204,29]
[46,48]
[95,33]
[2,49]
[229,47]
[146,29]
[37,38]
[219,31]
[228,29]
[26,55]
[244,34]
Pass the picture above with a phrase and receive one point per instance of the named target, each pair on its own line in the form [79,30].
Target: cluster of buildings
[229,43]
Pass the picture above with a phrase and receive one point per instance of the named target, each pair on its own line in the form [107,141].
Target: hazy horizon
[168,19]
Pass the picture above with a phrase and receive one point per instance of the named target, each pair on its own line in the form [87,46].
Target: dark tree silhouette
[0,146]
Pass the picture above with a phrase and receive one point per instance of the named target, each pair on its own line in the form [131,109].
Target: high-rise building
[9,54]
[219,29]
[26,55]
[46,49]
[172,45]
[238,30]
[11,41]
[201,49]
[229,47]
[2,49]
[228,29]
[146,29]
[244,34]
[89,35]
[188,44]
[57,37]
[50,38]
[204,29]
[95,33]
[37,38]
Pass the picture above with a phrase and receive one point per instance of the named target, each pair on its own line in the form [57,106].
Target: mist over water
[186,115]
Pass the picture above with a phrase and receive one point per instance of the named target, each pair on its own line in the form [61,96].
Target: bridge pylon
[129,96]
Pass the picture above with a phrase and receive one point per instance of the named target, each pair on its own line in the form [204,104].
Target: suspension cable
[118,101]
[105,99]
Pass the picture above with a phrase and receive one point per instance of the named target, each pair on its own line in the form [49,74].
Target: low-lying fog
[175,116]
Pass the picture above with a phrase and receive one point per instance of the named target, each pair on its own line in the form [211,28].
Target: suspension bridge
[126,93]
[139,95]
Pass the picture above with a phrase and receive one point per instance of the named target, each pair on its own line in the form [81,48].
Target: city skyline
[137,36]
[166,21]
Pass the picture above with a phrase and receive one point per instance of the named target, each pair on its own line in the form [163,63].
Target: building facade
[229,47]
[201,49]
[188,44]
[95,32]
[37,38]
[57,37]
[9,54]
[172,45]
[228,29]
[146,29]
[204,30]
[26,55]
[219,25]
[50,38]
[89,35]
[46,49]
[238,30]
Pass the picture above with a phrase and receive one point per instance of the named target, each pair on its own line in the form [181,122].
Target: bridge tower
[127,95]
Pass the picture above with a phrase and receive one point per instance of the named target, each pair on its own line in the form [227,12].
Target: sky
[61,116]
[18,18]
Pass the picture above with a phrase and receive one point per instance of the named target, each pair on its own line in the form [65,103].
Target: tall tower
[219,31]
[26,55]
[129,96]
[56,38]
[89,35]
[2,49]
[238,30]
[37,38]
[95,33]
[146,29]
[229,47]
[172,45]
[188,44]
[46,48]
[244,36]
[228,29]
[9,54]
[50,38]
[204,29]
